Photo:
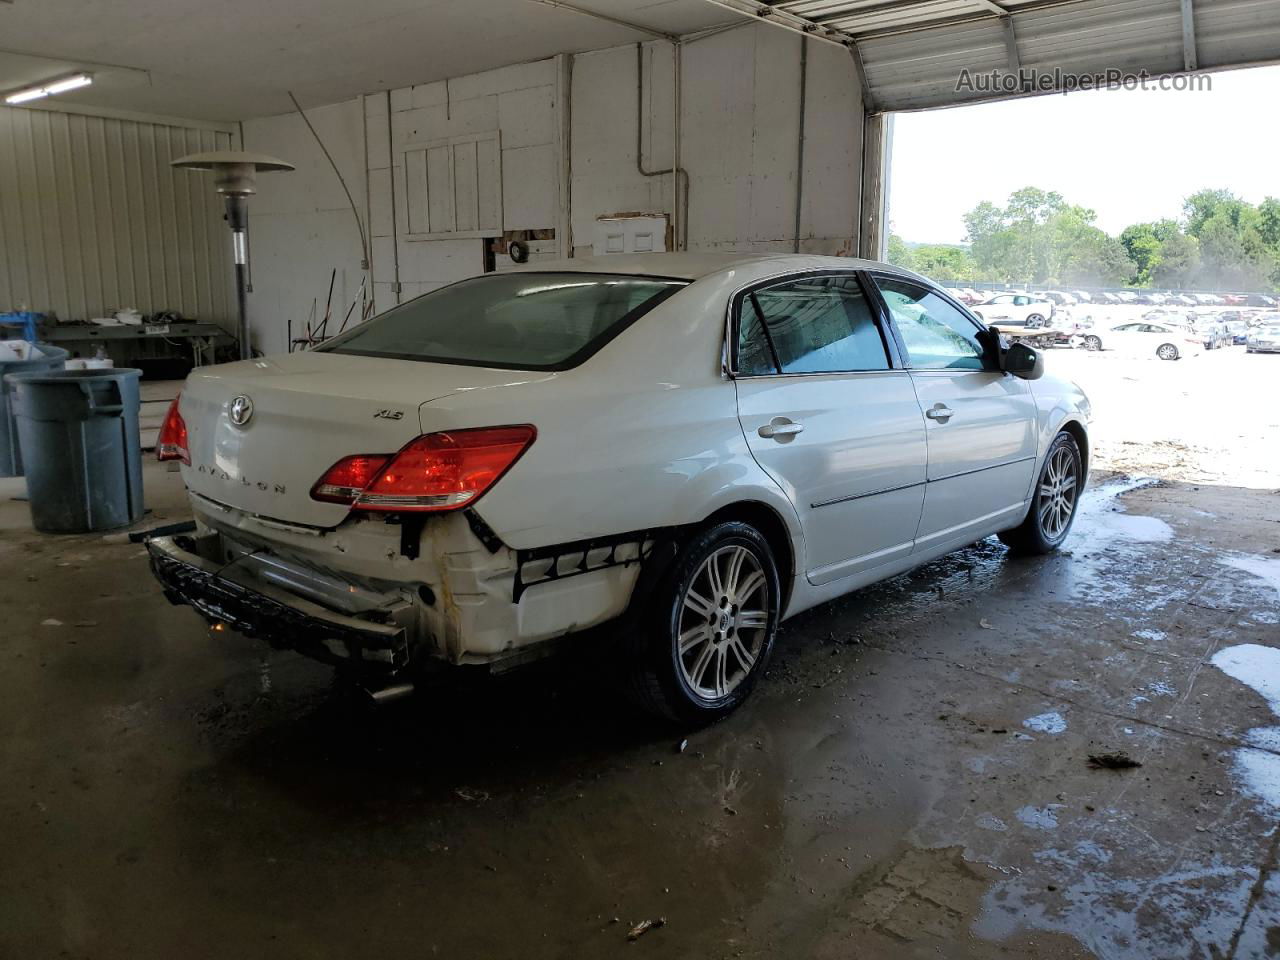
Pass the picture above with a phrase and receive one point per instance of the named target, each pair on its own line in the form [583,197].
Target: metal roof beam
[1189,59]
[782,18]
[853,13]
[1011,44]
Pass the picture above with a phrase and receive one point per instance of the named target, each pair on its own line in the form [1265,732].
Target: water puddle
[1039,818]
[1046,723]
[1263,568]
[1105,536]
[1258,668]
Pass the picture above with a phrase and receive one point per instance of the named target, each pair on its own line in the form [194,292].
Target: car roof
[695,266]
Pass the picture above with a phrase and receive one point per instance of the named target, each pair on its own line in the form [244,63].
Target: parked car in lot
[1234,299]
[1015,310]
[1264,339]
[1213,332]
[688,448]
[1166,341]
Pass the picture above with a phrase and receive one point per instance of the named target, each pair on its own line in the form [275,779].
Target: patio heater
[233,177]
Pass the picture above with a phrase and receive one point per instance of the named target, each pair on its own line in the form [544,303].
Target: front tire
[1167,351]
[701,648]
[1053,507]
[1093,343]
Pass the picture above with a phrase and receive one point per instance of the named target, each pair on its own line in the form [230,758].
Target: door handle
[940,412]
[780,429]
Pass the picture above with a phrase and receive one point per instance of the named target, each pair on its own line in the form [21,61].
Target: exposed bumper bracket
[271,614]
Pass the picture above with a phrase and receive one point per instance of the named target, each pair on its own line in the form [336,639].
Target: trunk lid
[308,411]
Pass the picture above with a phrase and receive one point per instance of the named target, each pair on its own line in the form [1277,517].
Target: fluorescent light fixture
[61,85]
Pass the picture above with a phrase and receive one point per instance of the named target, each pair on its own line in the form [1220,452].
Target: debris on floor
[1112,761]
[644,926]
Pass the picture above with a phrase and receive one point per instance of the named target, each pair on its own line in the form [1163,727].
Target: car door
[830,414]
[981,428]
[999,308]
[1127,338]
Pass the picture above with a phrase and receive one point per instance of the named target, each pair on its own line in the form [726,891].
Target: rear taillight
[172,443]
[437,471]
[347,478]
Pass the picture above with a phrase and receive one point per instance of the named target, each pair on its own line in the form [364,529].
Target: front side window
[810,325]
[936,334]
[521,321]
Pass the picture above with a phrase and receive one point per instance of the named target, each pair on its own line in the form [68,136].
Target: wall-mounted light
[49,88]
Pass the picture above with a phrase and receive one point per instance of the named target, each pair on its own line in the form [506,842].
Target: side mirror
[1022,361]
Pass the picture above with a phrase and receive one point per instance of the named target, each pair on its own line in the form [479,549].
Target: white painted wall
[739,143]
[300,223]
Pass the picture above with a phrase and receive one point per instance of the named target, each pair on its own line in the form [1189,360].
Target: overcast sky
[1130,155]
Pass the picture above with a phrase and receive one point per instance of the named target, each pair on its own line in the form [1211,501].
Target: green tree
[944,262]
[1178,262]
[1143,248]
[899,254]
[1269,223]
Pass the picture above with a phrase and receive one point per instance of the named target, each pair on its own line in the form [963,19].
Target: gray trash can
[10,457]
[78,430]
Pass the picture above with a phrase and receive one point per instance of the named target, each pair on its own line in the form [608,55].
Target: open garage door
[915,54]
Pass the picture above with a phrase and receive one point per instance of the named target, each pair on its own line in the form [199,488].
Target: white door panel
[982,457]
[856,471]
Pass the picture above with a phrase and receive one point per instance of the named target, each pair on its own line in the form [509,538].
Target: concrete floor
[911,780]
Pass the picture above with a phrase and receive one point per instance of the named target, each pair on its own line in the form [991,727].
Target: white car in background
[1015,310]
[1144,338]
[1264,338]
[682,449]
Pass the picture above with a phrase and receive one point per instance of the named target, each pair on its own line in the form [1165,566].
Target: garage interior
[913,778]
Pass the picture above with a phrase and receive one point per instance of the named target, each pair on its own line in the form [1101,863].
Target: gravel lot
[1213,418]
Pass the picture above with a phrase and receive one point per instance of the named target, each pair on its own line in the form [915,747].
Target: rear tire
[1053,507]
[696,654]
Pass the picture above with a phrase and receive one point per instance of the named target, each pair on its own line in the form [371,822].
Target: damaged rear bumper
[263,611]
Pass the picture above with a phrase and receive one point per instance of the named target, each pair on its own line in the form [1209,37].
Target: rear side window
[521,321]
[809,325]
[937,335]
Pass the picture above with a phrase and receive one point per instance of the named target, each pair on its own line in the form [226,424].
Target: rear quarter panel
[644,434]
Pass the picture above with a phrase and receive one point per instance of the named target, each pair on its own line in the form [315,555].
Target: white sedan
[671,453]
[1165,341]
[1015,310]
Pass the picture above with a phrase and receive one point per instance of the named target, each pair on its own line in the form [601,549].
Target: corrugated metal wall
[93,218]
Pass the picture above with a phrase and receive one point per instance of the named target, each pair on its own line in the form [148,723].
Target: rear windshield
[522,321]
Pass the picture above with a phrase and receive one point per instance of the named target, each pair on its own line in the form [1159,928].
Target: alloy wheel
[1059,487]
[1167,351]
[723,623]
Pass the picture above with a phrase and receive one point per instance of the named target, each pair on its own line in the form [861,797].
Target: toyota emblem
[241,410]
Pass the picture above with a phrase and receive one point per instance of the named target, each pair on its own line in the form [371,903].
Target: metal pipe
[676,170]
[804,74]
[391,171]
[238,220]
